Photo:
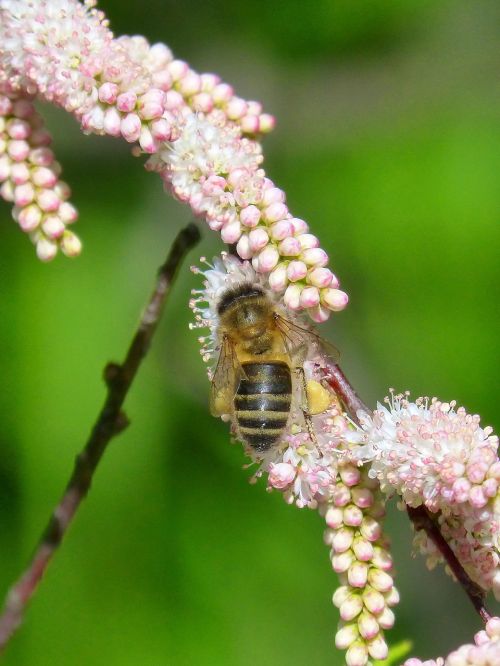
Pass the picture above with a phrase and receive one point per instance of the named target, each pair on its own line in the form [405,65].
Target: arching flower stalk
[203,140]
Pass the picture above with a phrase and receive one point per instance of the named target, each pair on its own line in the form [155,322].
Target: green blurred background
[387,142]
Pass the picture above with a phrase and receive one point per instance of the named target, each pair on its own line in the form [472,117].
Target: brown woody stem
[110,422]
[420,517]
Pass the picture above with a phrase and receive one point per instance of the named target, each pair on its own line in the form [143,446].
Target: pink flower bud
[20,173]
[53,227]
[131,127]
[273,195]
[126,102]
[308,241]
[351,607]
[363,550]
[281,475]
[297,270]
[18,150]
[71,245]
[341,495]
[202,102]
[356,655]
[243,247]
[46,250]
[112,122]
[370,529]
[382,558]
[299,226]
[386,619]
[314,256]
[346,636]
[353,516]
[222,93]
[146,140]
[18,129]
[350,475]
[41,156]
[276,211]
[342,561]
[340,595]
[5,106]
[231,232]
[334,517]
[266,122]
[48,200]
[362,497]
[5,168]
[342,539]
[268,259]
[291,297]
[309,297]
[373,600]
[24,194]
[278,278]
[392,597]
[320,277]
[209,81]
[43,177]
[378,649]
[280,230]
[335,299]
[250,216]
[161,129]
[61,189]
[67,212]
[236,108]
[29,218]
[319,314]
[258,239]
[108,93]
[250,124]
[357,574]
[380,580]
[255,108]
[7,191]
[368,626]
[189,84]
[289,247]
[40,137]
[173,100]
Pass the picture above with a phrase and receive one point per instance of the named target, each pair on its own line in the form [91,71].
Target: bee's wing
[225,380]
[298,339]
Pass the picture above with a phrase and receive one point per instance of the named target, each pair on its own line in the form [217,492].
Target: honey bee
[261,359]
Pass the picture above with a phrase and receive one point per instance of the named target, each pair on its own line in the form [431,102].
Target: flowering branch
[110,422]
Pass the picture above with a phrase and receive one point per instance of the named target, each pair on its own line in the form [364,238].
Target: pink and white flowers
[202,139]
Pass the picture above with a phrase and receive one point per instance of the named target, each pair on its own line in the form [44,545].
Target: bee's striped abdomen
[262,403]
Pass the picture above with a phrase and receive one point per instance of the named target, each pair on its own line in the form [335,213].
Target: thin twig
[420,517]
[109,423]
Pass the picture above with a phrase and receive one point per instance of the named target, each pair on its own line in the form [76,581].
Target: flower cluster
[484,652]
[202,138]
[30,179]
[311,467]
[218,173]
[360,556]
[432,453]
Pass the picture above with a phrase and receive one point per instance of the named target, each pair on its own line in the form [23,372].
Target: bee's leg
[304,404]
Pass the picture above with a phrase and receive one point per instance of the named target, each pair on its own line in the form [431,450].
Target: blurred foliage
[388,143]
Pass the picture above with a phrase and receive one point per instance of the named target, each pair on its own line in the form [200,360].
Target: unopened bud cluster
[360,557]
[29,177]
